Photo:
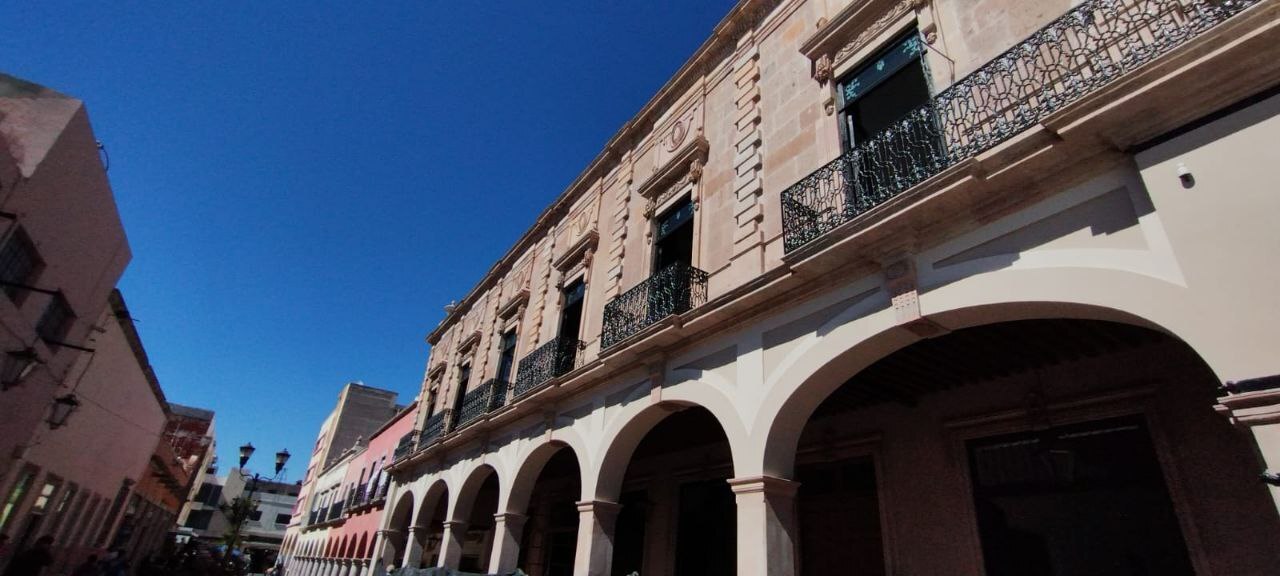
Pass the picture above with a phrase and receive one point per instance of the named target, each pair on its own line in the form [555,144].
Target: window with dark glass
[571,313]
[464,378]
[673,237]
[883,90]
[282,518]
[199,519]
[19,265]
[506,355]
[56,320]
[570,327]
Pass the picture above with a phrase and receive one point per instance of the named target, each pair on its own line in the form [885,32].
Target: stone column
[383,553]
[413,547]
[364,567]
[1254,406]
[451,544]
[767,536]
[596,520]
[507,530]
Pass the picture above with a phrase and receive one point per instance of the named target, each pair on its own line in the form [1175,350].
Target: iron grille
[488,397]
[1081,51]
[433,428]
[675,289]
[405,447]
[555,358]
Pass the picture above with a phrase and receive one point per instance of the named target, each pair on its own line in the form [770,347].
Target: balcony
[404,448]
[555,358]
[488,397]
[675,289]
[433,428]
[1083,50]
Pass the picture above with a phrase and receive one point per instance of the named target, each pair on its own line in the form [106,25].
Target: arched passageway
[549,538]
[473,522]
[397,535]
[1055,446]
[677,514]
[427,531]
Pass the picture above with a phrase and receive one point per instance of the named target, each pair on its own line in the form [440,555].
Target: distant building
[262,534]
[190,433]
[360,413]
[344,536]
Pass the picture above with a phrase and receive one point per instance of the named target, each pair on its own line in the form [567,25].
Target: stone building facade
[917,286]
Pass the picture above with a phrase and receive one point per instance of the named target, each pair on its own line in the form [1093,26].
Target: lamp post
[243,506]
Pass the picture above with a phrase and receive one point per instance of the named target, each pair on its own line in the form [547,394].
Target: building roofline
[396,418]
[725,31]
[121,313]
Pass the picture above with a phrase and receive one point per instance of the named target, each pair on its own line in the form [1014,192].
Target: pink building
[347,544]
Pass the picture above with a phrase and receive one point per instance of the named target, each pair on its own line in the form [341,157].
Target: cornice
[745,16]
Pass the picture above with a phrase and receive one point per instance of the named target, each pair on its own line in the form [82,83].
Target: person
[90,567]
[116,564]
[31,562]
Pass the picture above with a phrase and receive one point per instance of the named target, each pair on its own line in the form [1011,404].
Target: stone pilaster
[748,184]
[451,543]
[617,227]
[413,546]
[768,539]
[596,521]
[506,542]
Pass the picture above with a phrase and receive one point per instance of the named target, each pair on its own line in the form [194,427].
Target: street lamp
[63,406]
[243,506]
[17,365]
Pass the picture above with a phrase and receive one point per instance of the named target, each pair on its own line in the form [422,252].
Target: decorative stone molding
[468,342]
[855,28]
[683,169]
[436,371]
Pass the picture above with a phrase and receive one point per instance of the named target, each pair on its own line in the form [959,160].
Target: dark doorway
[706,536]
[628,553]
[677,481]
[477,543]
[464,379]
[839,516]
[434,536]
[1086,499]
[550,539]
[570,327]
[673,236]
[506,355]
[883,91]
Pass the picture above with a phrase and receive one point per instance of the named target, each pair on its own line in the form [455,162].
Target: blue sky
[305,185]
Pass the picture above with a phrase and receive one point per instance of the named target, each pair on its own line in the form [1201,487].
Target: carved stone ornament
[851,30]
[682,171]
[676,137]
[874,30]
[822,69]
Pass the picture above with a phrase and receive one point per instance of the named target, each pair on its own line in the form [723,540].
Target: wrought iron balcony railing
[405,447]
[433,428]
[488,397]
[555,358]
[1081,51]
[675,289]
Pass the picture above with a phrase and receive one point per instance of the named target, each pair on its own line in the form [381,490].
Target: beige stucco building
[915,287]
